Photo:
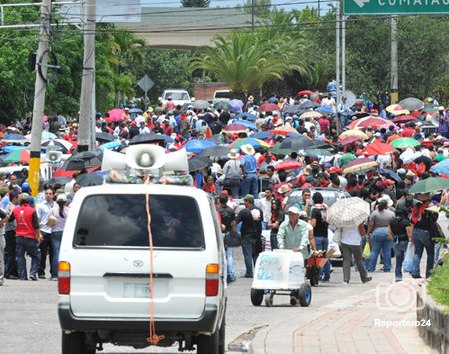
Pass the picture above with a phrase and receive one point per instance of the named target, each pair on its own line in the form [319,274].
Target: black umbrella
[83,160]
[90,179]
[146,138]
[217,150]
[201,104]
[222,105]
[52,182]
[104,137]
[309,104]
[199,162]
[358,115]
[300,142]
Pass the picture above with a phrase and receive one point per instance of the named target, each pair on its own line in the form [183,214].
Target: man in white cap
[248,164]
[293,234]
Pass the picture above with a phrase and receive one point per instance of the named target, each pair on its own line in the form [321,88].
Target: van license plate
[136,290]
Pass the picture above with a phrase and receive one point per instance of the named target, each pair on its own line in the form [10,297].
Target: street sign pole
[394,95]
[145,83]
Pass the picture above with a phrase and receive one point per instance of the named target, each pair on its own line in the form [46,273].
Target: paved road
[29,322]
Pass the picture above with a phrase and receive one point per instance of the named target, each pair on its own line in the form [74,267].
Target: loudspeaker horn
[176,161]
[145,157]
[53,156]
[113,160]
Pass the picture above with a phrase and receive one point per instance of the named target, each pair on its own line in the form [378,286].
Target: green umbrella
[402,143]
[318,152]
[430,184]
[278,150]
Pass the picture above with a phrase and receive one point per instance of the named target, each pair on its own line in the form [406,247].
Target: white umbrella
[348,212]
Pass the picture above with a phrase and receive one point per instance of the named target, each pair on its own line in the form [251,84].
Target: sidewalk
[358,318]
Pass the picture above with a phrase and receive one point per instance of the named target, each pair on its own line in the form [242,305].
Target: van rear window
[120,220]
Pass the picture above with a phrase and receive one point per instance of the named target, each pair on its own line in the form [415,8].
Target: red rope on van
[153,338]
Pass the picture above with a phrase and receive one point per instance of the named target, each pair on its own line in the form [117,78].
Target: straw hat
[284,189]
[248,149]
[233,154]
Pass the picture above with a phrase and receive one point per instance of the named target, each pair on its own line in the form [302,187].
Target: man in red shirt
[409,131]
[27,237]
[167,128]
[324,125]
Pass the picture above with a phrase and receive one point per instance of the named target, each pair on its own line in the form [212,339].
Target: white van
[222,95]
[105,265]
[179,96]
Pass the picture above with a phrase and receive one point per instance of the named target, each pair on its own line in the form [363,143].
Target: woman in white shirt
[350,246]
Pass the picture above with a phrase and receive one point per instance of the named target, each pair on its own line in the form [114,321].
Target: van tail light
[212,277]
[64,278]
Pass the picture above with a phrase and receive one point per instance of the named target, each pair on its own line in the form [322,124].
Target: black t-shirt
[398,227]
[227,216]
[321,226]
[251,219]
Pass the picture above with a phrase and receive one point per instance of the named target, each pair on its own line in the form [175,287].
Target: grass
[438,287]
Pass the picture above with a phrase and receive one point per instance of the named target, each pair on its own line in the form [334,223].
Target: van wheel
[256,297]
[208,344]
[222,337]
[75,343]
[305,294]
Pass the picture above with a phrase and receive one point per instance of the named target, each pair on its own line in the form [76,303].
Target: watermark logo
[399,296]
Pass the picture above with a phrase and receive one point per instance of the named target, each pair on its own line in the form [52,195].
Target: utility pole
[86,129]
[394,61]
[343,55]
[337,52]
[39,97]
[252,15]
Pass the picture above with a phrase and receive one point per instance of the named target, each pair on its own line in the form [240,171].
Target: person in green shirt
[347,157]
[440,156]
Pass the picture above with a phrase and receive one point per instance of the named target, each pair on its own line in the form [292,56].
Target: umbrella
[358,115]
[391,174]
[198,163]
[104,137]
[111,145]
[278,150]
[11,148]
[370,121]
[300,142]
[324,110]
[52,182]
[287,165]
[236,105]
[249,116]
[304,92]
[223,105]
[350,139]
[269,107]
[234,128]
[353,132]
[309,104]
[318,152]
[64,145]
[196,146]
[378,148]
[201,104]
[22,155]
[360,165]
[348,212]
[217,150]
[255,143]
[284,130]
[404,119]
[396,110]
[311,115]
[411,103]
[249,125]
[261,135]
[14,136]
[115,115]
[442,168]
[45,135]
[401,143]
[430,184]
[69,173]
[83,160]
[134,112]
[294,109]
[146,138]
[90,179]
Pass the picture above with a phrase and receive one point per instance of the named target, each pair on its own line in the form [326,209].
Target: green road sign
[395,7]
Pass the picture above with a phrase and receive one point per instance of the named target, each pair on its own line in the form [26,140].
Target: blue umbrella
[14,136]
[442,168]
[134,112]
[8,149]
[261,135]
[246,123]
[249,116]
[391,173]
[168,139]
[196,146]
[324,109]
[236,106]
[111,145]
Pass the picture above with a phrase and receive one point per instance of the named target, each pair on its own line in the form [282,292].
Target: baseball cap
[294,210]
[249,198]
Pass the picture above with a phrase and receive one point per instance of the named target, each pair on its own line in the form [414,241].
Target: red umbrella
[370,121]
[287,165]
[64,173]
[114,115]
[304,92]
[350,140]
[269,107]
[378,148]
[404,118]
[234,128]
[284,130]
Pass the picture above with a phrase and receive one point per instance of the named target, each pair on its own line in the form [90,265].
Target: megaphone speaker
[113,160]
[176,161]
[145,157]
[53,156]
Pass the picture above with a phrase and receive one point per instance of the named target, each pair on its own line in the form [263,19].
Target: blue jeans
[322,243]
[249,254]
[56,245]
[399,250]
[421,239]
[380,241]
[250,185]
[31,246]
[230,264]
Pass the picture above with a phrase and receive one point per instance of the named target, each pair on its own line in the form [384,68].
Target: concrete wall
[205,90]
[437,334]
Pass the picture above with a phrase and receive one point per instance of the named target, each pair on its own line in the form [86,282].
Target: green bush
[438,286]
